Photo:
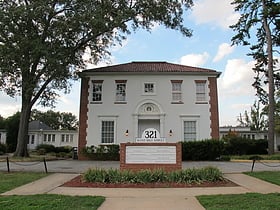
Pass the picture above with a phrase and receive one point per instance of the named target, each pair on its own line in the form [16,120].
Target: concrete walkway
[145,198]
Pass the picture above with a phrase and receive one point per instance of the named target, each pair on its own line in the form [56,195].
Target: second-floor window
[97,90]
[200,90]
[120,90]
[176,90]
[149,88]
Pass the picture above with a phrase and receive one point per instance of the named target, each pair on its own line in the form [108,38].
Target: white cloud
[236,93]
[223,50]
[219,12]
[194,59]
[238,76]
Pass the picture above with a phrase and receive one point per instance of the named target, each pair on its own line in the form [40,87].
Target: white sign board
[151,154]
[150,135]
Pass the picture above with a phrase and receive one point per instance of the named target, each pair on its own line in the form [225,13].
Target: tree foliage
[258,27]
[12,126]
[56,120]
[255,119]
[42,42]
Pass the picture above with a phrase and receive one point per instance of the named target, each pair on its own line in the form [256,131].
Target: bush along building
[135,101]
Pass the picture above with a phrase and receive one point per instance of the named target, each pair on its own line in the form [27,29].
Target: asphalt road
[76,166]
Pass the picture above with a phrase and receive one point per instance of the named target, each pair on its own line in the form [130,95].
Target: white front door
[143,124]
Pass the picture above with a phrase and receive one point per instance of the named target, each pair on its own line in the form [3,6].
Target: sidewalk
[149,198]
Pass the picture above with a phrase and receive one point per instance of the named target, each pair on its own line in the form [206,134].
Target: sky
[209,47]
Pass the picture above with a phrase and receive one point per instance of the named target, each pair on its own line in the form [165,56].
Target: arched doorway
[149,114]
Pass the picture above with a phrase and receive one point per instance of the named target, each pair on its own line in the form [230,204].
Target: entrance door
[143,124]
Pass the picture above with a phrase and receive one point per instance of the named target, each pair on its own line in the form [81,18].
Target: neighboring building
[119,102]
[246,132]
[3,136]
[40,133]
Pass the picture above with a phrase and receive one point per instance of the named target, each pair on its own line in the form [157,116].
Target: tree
[42,42]
[56,120]
[255,120]
[12,126]
[261,17]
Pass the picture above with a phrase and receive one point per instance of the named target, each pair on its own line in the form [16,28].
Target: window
[67,138]
[189,130]
[176,90]
[32,139]
[149,88]
[97,90]
[200,90]
[107,132]
[49,137]
[120,90]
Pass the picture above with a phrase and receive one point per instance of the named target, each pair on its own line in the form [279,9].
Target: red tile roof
[151,67]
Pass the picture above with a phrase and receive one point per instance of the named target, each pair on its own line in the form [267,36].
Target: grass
[251,201]
[246,201]
[48,201]
[10,181]
[269,176]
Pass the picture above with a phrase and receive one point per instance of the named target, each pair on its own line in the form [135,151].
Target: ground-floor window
[189,130]
[49,137]
[67,138]
[107,132]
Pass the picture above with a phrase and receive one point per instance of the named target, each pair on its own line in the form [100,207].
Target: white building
[118,103]
[40,133]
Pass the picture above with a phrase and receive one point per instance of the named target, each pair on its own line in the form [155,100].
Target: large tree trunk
[22,140]
[271,89]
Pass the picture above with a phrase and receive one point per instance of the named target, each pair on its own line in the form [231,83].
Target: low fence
[25,164]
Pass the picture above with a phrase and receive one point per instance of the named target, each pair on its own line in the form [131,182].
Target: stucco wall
[126,115]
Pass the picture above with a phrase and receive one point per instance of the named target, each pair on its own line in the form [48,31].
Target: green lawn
[12,180]
[47,202]
[269,176]
[254,201]
[250,201]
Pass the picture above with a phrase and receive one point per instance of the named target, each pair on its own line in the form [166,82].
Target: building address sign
[150,135]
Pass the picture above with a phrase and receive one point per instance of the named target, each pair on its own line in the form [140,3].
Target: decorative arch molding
[149,109]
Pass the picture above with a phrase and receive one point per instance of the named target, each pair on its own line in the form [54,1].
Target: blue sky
[209,47]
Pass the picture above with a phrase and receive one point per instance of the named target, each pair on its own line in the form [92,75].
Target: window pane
[120,92]
[176,91]
[200,92]
[189,130]
[149,88]
[107,132]
[97,92]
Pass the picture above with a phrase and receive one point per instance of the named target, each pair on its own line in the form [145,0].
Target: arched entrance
[149,114]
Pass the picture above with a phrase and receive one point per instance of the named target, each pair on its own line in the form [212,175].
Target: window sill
[201,102]
[177,102]
[120,102]
[96,102]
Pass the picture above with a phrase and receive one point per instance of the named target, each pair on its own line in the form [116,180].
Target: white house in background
[40,133]
[119,102]
[3,136]
[246,132]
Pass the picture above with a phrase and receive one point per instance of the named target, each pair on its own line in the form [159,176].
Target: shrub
[47,147]
[242,146]
[210,149]
[65,149]
[207,174]
[103,152]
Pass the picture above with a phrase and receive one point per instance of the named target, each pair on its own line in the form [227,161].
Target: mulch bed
[78,182]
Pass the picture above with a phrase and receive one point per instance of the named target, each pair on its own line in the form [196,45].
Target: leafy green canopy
[250,30]
[42,41]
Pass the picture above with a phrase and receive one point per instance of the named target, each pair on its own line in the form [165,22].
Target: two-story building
[175,102]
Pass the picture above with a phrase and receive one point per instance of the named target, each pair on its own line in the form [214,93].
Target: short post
[8,164]
[254,160]
[45,164]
